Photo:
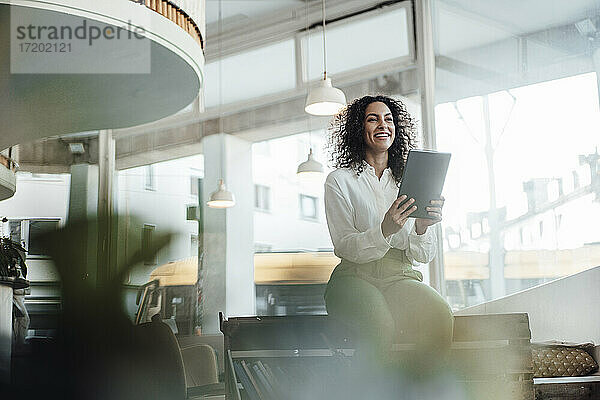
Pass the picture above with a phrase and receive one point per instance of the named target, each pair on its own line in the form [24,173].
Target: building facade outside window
[262,198]
[308,207]
[518,108]
[147,233]
[193,245]
[194,185]
[149,181]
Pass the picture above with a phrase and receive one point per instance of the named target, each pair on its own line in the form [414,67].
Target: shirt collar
[369,168]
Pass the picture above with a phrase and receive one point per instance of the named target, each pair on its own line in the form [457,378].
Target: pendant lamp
[310,165]
[325,99]
[221,198]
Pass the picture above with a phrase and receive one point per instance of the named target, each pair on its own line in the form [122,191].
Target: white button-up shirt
[355,206]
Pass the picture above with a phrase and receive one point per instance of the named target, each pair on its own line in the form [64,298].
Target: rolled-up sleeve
[422,248]
[348,242]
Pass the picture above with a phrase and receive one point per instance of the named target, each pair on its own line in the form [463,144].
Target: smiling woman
[348,149]
[375,291]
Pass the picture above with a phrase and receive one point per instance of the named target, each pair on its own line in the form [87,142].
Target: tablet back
[423,178]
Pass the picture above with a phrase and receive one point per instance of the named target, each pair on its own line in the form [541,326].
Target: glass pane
[194,180]
[308,206]
[147,233]
[517,105]
[261,197]
[43,199]
[283,229]
[37,228]
[255,73]
[357,44]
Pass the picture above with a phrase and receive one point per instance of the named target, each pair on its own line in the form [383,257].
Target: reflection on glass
[247,75]
[365,34]
[520,113]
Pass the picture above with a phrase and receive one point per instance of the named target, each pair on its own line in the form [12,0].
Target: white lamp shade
[325,99]
[310,165]
[221,198]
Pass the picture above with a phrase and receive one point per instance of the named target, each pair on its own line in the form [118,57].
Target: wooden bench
[491,355]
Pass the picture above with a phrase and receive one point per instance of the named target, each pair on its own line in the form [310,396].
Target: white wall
[44,197]
[565,309]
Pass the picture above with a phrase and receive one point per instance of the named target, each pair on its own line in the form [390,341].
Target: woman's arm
[349,243]
[419,248]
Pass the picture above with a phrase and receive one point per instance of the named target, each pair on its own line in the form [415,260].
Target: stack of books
[286,378]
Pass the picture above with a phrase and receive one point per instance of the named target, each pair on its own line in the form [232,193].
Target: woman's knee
[359,304]
[420,312]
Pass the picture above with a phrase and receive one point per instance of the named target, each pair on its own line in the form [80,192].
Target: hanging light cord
[324,45]
[308,68]
[307,79]
[221,133]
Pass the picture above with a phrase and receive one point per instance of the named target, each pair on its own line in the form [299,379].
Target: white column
[6,307]
[83,204]
[228,265]
[93,195]
[596,62]
[426,73]
[106,203]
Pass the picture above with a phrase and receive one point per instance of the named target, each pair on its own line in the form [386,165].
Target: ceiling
[243,11]
[475,43]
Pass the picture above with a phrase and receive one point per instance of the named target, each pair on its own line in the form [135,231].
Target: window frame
[145,245]
[149,178]
[374,69]
[257,206]
[303,216]
[194,179]
[25,237]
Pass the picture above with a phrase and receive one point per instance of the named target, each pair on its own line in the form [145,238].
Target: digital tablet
[423,179]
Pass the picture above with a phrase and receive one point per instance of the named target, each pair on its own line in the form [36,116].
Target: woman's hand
[396,217]
[435,210]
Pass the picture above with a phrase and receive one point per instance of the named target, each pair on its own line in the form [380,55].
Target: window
[247,75]
[262,196]
[37,228]
[289,225]
[193,245]
[147,233]
[149,183]
[308,207]
[27,232]
[194,180]
[514,146]
[362,33]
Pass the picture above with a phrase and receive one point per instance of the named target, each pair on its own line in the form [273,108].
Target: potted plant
[12,263]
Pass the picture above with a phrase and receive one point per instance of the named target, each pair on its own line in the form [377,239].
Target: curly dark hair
[346,143]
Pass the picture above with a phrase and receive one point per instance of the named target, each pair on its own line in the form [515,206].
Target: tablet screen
[423,178]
